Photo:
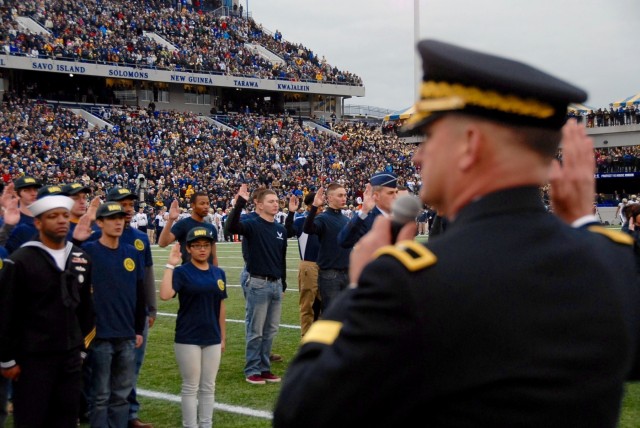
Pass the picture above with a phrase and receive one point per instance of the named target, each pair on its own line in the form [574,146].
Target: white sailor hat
[47,203]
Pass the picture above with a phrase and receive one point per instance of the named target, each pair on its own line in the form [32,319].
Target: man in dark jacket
[499,321]
[46,319]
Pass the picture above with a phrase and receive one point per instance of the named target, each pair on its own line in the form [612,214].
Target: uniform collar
[509,201]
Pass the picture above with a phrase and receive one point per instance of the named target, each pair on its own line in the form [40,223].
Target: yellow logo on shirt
[129,264]
[221,285]
[1,264]
[138,244]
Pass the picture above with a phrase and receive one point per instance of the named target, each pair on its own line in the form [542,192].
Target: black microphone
[404,210]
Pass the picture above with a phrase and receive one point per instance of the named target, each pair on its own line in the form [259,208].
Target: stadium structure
[203,57]
[168,55]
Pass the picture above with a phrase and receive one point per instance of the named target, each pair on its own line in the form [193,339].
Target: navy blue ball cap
[75,188]
[120,193]
[200,233]
[386,179]
[26,181]
[49,191]
[109,209]
[462,80]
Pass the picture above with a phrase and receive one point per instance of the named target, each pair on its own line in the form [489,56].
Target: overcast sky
[592,43]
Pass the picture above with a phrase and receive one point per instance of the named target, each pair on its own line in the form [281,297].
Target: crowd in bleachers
[178,152]
[113,33]
[612,116]
[618,159]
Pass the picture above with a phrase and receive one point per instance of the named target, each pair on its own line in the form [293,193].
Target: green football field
[238,403]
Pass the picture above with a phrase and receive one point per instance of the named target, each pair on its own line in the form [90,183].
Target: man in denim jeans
[118,291]
[333,260]
[266,243]
[140,242]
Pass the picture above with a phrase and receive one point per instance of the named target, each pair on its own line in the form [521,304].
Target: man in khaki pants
[308,246]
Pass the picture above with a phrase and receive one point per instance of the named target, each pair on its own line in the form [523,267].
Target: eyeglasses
[201,246]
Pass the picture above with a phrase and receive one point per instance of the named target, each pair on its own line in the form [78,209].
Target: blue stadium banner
[94,68]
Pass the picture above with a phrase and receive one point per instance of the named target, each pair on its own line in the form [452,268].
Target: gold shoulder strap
[411,254]
[323,331]
[614,235]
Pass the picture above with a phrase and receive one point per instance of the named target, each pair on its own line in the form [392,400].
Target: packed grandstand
[63,121]
[175,150]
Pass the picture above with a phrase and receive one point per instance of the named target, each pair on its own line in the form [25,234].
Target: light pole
[416,39]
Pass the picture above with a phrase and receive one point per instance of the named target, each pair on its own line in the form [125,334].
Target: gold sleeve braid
[614,235]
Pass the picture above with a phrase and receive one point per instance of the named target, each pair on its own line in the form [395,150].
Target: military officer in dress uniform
[514,316]
[379,195]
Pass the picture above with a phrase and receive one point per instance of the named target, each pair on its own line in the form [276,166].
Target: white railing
[366,111]
[126,96]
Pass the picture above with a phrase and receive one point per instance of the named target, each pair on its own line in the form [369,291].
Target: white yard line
[235,286]
[218,406]
[170,315]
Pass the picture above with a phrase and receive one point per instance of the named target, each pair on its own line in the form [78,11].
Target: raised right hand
[83,231]
[367,199]
[174,210]
[318,200]
[174,255]
[243,192]
[573,183]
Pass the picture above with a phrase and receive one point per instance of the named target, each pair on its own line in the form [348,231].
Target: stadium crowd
[176,153]
[618,159]
[613,116]
[179,153]
[114,33]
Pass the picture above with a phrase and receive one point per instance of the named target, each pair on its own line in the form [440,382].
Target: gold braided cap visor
[443,96]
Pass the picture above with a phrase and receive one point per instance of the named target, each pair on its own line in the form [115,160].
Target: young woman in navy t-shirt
[200,326]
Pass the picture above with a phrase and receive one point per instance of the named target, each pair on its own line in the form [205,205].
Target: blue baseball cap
[386,179]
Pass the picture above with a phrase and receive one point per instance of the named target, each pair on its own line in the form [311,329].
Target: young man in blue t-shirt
[266,265]
[140,241]
[176,230]
[118,292]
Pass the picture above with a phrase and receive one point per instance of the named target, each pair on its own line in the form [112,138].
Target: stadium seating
[114,33]
[174,150]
